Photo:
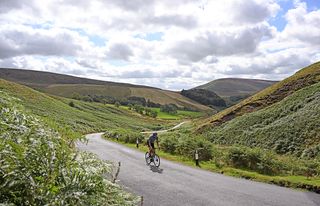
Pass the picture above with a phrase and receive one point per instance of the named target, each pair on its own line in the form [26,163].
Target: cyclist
[153,138]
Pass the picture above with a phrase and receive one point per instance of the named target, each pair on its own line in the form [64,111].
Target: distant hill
[68,86]
[277,92]
[234,90]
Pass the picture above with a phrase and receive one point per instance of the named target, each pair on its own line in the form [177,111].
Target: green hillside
[289,126]
[273,94]
[38,166]
[83,117]
[234,90]
[69,86]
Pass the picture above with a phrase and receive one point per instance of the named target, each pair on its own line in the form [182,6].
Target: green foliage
[124,135]
[169,143]
[143,110]
[288,127]
[84,118]
[277,92]
[253,159]
[38,167]
[117,104]
[169,108]
[183,144]
[71,104]
[205,97]
[263,161]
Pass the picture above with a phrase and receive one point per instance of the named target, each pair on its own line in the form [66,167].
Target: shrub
[71,104]
[125,136]
[117,104]
[169,108]
[39,168]
[169,143]
[187,145]
[253,159]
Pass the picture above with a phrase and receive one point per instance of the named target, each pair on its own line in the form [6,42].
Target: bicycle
[154,158]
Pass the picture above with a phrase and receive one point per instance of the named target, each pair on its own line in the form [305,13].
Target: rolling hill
[68,86]
[267,97]
[81,117]
[288,126]
[234,90]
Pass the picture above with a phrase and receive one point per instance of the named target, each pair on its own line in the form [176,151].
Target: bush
[125,136]
[169,108]
[253,159]
[39,168]
[204,96]
[169,143]
[187,145]
[71,104]
[117,104]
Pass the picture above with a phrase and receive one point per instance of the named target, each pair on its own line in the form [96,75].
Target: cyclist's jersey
[153,138]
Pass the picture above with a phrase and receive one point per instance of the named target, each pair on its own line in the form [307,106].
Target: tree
[117,104]
[153,114]
[71,104]
[169,108]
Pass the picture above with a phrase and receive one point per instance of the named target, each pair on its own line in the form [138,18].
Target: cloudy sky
[171,44]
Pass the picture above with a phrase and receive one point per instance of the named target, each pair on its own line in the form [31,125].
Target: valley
[271,137]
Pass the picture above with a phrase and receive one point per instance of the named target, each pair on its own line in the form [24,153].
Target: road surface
[174,184]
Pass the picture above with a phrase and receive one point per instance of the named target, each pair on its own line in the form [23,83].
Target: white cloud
[200,39]
[303,25]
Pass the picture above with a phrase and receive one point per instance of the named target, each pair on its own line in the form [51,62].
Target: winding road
[175,184]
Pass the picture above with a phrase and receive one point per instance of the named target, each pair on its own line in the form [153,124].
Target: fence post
[197,158]
[117,173]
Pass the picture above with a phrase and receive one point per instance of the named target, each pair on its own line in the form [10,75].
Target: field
[180,114]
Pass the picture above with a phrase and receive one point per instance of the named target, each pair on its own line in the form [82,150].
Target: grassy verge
[38,166]
[291,181]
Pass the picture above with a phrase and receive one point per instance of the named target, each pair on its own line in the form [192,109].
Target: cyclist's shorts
[150,144]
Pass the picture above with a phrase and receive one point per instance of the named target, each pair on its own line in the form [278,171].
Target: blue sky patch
[156,36]
[95,39]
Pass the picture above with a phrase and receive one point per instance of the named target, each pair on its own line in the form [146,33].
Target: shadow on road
[156,169]
[313,197]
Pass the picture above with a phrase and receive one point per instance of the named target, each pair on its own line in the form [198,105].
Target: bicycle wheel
[156,160]
[148,158]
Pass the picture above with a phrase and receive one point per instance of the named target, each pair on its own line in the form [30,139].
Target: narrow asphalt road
[174,184]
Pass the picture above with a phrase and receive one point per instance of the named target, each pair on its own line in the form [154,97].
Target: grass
[275,93]
[38,167]
[181,114]
[292,181]
[234,87]
[83,118]
[289,126]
